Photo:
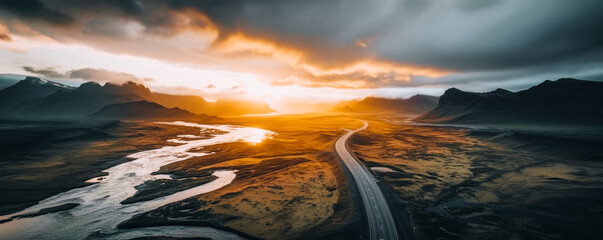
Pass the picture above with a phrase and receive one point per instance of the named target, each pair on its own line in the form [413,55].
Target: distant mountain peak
[25,90]
[39,82]
[500,91]
[453,91]
[372,98]
[34,80]
[562,81]
[130,86]
[423,96]
[416,104]
[89,86]
[453,95]
[142,110]
[569,80]
[562,102]
[125,88]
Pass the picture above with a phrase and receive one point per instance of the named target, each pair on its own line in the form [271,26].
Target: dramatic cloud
[338,43]
[102,75]
[47,72]
[37,11]
[4,33]
[88,74]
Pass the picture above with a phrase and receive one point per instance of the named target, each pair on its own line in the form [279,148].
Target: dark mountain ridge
[562,102]
[35,98]
[143,110]
[26,90]
[90,97]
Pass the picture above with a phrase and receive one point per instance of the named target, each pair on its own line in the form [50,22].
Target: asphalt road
[380,220]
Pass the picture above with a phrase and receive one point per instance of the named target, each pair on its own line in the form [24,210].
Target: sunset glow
[191,51]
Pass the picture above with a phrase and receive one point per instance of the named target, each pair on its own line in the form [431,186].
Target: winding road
[380,220]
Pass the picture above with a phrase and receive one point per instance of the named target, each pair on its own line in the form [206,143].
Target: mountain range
[562,102]
[221,107]
[35,98]
[143,110]
[415,105]
[27,90]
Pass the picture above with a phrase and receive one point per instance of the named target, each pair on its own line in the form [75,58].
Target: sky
[293,54]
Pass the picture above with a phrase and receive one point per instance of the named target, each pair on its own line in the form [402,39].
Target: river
[99,208]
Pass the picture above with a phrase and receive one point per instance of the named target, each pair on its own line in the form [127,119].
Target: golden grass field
[286,187]
[451,181]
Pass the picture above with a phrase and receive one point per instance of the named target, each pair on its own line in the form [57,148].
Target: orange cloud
[349,73]
[22,38]
[239,43]
[345,84]
[187,35]
[4,33]
[184,20]
[373,67]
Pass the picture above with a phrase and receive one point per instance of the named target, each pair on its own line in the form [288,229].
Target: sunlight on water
[99,204]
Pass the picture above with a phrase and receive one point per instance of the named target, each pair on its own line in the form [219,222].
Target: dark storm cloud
[158,17]
[95,74]
[35,10]
[464,35]
[66,11]
[46,72]
[476,38]
[87,74]
[500,36]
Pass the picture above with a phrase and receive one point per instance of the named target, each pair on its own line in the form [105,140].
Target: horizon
[288,54]
[310,108]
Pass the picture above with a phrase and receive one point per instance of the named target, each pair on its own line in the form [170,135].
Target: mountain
[35,98]
[26,90]
[335,106]
[223,107]
[416,104]
[191,103]
[7,80]
[83,101]
[562,102]
[344,109]
[143,110]
[198,105]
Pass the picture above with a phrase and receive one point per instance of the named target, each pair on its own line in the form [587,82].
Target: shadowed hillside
[143,110]
[561,102]
[81,102]
[26,90]
[35,98]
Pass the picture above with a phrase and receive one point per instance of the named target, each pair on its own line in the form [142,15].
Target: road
[380,220]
